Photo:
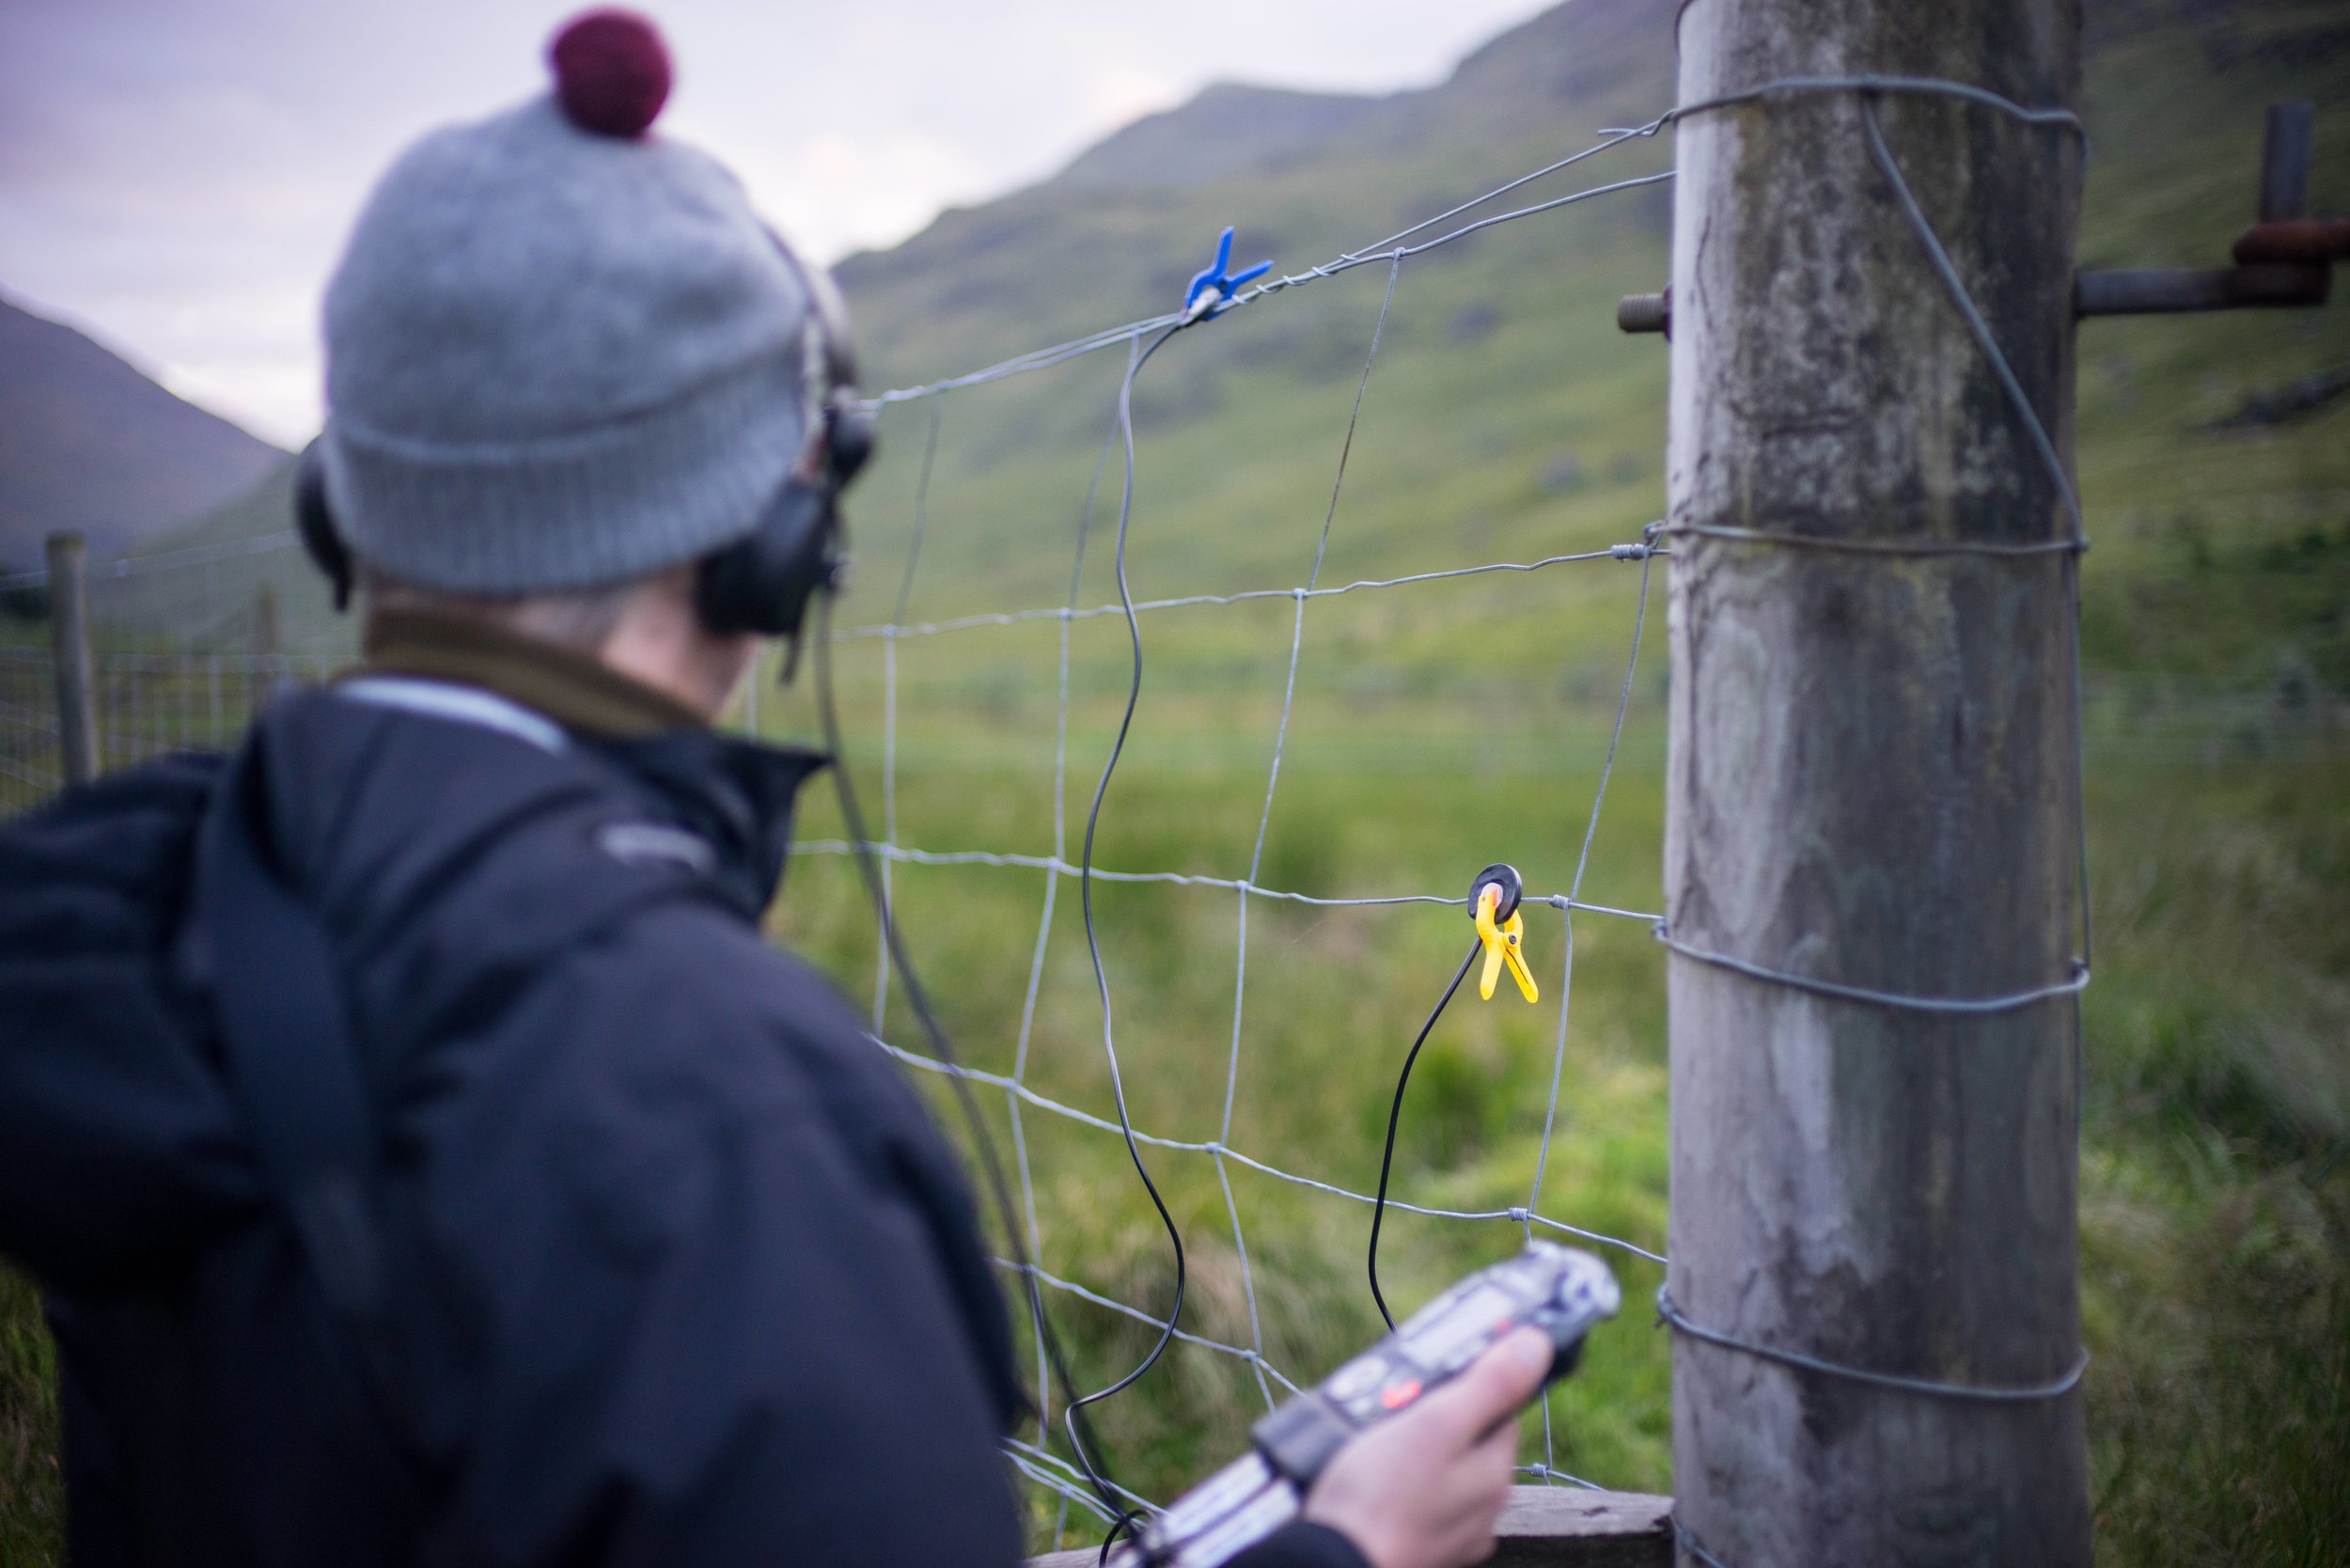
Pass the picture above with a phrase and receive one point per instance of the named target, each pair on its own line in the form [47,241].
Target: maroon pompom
[611,72]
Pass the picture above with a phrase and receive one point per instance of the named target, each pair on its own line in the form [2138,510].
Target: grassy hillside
[88,443]
[1440,726]
[180,605]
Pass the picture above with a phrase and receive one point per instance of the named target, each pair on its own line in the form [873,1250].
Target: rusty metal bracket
[2284,259]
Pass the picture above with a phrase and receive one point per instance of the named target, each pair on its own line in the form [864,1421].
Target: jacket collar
[735,794]
[582,694]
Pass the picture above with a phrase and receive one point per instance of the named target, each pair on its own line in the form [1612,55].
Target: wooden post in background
[267,642]
[2286,150]
[68,633]
[267,671]
[1872,783]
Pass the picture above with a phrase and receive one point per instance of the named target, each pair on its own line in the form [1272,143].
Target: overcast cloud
[177,175]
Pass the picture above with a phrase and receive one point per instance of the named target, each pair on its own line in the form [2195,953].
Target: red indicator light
[1400,1394]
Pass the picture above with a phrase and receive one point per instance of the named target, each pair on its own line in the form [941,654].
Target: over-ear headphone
[761,584]
[313,520]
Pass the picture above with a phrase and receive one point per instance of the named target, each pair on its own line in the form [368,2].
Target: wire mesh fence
[30,770]
[185,648]
[1074,1036]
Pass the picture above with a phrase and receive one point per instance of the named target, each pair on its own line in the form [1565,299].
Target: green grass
[2215,1205]
[32,1493]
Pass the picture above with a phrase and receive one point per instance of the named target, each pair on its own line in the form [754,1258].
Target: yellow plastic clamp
[1502,946]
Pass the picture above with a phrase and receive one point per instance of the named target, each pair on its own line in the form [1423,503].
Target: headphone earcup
[315,521]
[851,444]
[760,584]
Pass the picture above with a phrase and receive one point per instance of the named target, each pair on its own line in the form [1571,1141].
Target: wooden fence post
[69,633]
[266,675]
[1872,782]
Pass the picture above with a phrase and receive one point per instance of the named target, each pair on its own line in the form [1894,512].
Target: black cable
[1387,1156]
[1081,1438]
[917,998]
[1122,1525]
[1084,890]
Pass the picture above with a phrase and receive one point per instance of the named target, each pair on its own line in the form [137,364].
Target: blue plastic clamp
[1218,275]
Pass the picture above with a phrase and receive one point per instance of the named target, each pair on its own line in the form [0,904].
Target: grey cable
[2042,443]
[166,560]
[889,704]
[1566,978]
[1186,879]
[2057,1387]
[1239,1353]
[1044,929]
[1880,546]
[1929,86]
[1962,1006]
[1085,898]
[1014,618]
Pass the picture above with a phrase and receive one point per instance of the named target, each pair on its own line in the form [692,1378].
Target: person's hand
[1422,1489]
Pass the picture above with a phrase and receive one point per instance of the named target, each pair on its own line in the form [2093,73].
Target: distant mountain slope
[1302,175]
[1599,56]
[1596,54]
[1508,416]
[1229,128]
[88,443]
[1306,174]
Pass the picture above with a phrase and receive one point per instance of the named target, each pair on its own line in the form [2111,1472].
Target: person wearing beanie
[426,1159]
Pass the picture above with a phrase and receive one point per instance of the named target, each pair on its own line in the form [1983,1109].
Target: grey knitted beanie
[555,357]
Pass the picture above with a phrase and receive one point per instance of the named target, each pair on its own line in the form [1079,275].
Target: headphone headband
[828,343]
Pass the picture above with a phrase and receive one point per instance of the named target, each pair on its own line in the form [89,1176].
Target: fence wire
[179,661]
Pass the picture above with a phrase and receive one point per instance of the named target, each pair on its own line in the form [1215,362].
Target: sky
[176,176]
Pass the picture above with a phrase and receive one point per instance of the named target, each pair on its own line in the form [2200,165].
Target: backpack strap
[293,1063]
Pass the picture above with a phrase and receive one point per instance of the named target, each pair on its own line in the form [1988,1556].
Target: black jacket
[680,1272]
